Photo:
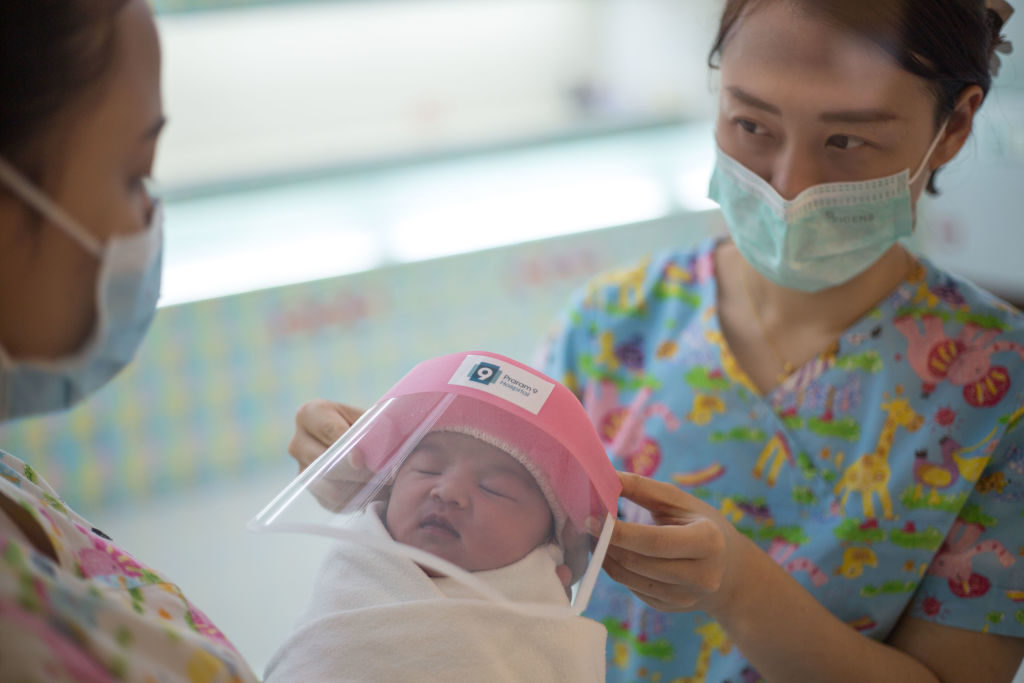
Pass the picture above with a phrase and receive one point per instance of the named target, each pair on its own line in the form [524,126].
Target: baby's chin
[456,559]
[463,564]
[432,573]
[441,548]
[451,550]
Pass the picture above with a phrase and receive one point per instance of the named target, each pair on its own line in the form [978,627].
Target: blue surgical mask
[127,289]
[827,235]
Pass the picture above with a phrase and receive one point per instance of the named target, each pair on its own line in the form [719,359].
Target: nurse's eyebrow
[859,116]
[845,116]
[748,99]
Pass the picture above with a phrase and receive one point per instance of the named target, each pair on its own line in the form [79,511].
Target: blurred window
[311,139]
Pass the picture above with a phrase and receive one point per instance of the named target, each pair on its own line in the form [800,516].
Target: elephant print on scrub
[622,428]
[956,558]
[965,360]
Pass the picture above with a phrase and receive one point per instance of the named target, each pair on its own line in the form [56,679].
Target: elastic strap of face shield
[586,585]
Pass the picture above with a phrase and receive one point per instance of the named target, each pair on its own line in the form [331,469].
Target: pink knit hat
[508,405]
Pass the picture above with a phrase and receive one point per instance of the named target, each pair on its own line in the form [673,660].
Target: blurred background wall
[352,186]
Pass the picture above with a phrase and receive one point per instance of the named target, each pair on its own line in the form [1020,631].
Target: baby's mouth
[440,523]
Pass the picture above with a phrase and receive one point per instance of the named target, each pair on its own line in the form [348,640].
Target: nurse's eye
[750,127]
[427,471]
[141,179]
[845,142]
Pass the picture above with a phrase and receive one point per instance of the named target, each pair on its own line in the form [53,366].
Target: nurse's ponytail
[998,13]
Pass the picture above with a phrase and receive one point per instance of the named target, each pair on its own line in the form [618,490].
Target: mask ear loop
[928,154]
[44,205]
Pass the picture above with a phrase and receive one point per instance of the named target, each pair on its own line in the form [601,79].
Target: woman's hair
[948,43]
[51,53]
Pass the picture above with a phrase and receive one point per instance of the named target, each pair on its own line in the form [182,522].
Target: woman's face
[803,102]
[94,166]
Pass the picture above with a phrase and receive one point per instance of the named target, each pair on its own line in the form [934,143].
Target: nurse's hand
[687,560]
[318,424]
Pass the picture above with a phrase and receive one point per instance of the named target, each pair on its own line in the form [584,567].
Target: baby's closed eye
[500,490]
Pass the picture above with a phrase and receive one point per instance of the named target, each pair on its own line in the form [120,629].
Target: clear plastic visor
[465,492]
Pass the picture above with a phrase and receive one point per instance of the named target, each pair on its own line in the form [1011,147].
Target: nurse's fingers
[318,424]
[694,538]
[665,501]
[325,420]
[699,573]
[304,449]
[658,603]
[667,597]
[696,577]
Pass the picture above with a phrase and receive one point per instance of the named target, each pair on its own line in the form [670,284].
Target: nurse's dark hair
[51,53]
[948,43]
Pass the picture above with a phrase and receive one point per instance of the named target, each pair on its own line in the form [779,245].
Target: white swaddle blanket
[377,616]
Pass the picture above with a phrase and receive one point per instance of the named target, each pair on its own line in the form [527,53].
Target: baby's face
[467,502]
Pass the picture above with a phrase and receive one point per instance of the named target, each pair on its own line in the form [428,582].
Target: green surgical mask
[827,235]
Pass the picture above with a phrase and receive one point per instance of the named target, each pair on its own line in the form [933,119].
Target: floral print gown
[96,614]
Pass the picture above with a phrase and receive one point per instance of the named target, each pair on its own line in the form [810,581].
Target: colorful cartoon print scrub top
[96,614]
[887,472]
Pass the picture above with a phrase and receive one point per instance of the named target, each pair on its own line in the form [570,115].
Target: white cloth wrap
[377,616]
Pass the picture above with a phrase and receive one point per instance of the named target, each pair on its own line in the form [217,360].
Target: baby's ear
[564,574]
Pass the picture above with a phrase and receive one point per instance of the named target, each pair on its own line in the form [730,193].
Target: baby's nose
[453,488]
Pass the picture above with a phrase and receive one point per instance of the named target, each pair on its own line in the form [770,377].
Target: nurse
[80,246]
[821,434]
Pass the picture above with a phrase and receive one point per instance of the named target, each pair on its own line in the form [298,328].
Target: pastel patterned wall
[213,392]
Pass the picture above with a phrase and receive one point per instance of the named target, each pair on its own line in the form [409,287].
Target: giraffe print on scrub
[869,474]
[730,366]
[712,638]
[777,446]
[628,284]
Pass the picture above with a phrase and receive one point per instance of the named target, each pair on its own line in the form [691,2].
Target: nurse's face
[467,502]
[93,167]
[803,102]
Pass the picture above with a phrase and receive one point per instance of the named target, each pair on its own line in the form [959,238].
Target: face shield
[478,470]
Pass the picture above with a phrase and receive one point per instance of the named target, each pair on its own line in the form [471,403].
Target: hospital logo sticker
[485,373]
[503,380]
